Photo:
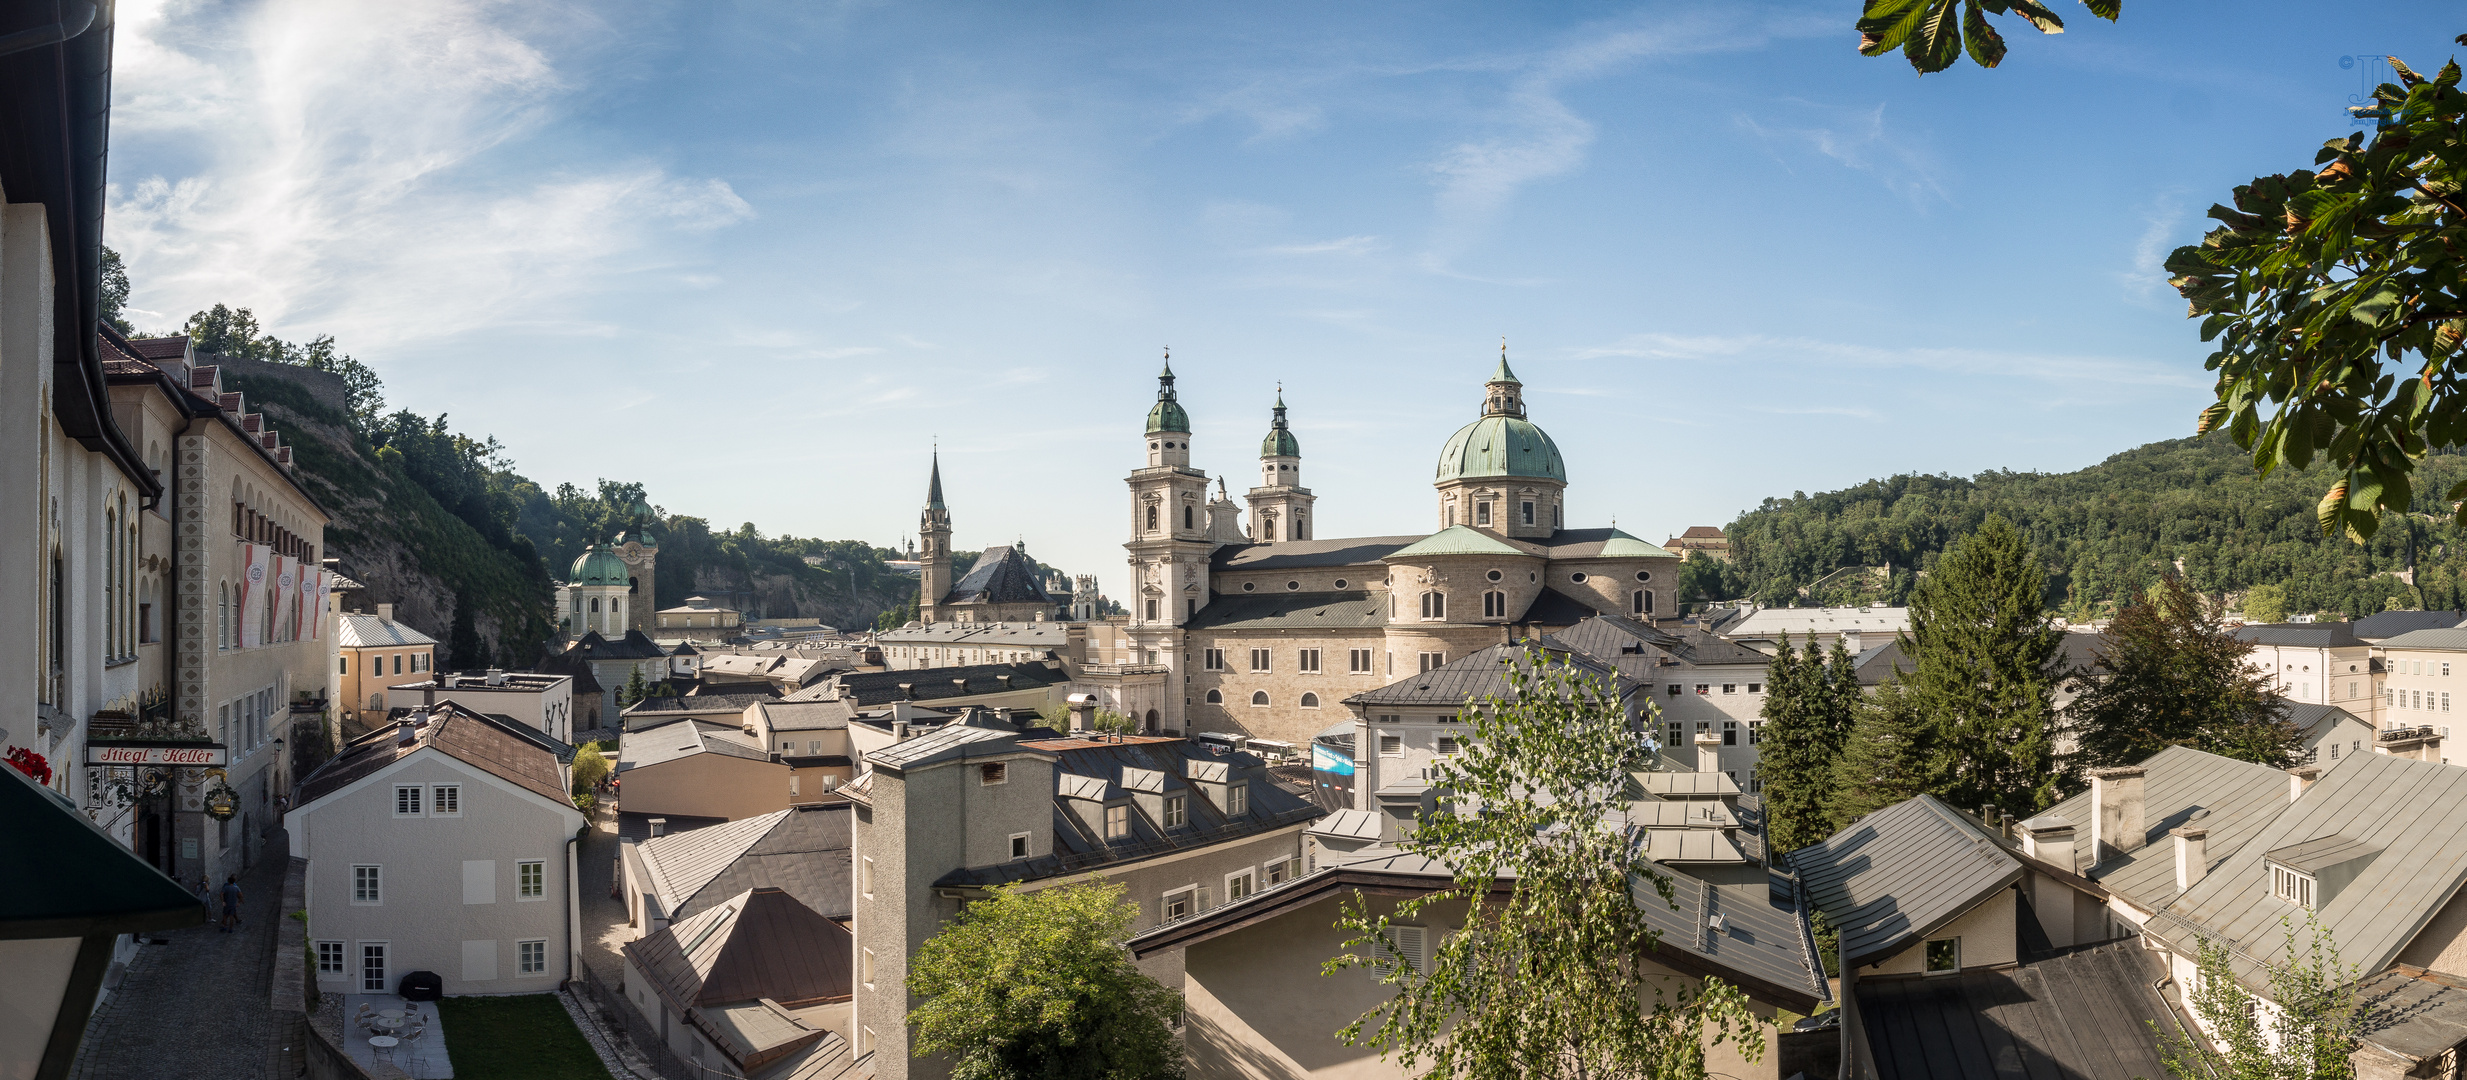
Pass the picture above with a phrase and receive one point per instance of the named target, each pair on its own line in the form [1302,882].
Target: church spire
[1280,441]
[933,487]
[1167,416]
[1503,395]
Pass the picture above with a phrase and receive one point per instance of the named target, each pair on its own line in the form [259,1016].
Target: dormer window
[2291,886]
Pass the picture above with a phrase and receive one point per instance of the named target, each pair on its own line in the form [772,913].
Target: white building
[442,844]
[543,703]
[2321,663]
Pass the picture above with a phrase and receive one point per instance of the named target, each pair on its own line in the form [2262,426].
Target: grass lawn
[515,1038]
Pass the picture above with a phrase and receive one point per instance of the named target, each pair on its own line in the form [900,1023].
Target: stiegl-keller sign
[212,755]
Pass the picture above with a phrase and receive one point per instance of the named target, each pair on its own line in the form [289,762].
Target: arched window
[1434,605]
[1494,605]
[1310,701]
[1301,530]
[1642,603]
[111,582]
[1259,699]
[222,616]
[1152,720]
[595,605]
[1188,516]
[1216,697]
[1267,529]
[1152,517]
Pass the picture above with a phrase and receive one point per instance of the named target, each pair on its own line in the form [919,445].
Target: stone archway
[1152,722]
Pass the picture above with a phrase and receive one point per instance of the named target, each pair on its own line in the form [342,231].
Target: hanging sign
[157,753]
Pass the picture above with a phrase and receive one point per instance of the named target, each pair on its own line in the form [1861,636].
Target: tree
[1892,754]
[1980,646]
[1703,577]
[115,292]
[1933,34]
[2336,302]
[1551,981]
[2265,604]
[590,767]
[1036,984]
[464,648]
[2173,674]
[634,690]
[1808,718]
[2318,1015]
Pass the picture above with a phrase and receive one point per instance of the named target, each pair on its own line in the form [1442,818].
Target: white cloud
[1857,139]
[2145,283]
[356,164]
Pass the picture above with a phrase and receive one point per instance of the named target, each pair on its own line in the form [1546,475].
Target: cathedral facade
[1267,630]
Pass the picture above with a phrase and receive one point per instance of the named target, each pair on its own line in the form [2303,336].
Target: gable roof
[633,646]
[1551,607]
[2084,1014]
[663,743]
[803,850]
[1456,540]
[371,632]
[2390,624]
[1299,554]
[472,738]
[1601,544]
[2445,638]
[1003,575]
[757,944]
[2414,813]
[1290,610]
[2236,799]
[1900,873]
[1483,674]
[2318,635]
[929,684]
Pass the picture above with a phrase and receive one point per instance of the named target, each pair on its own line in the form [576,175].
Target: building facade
[2321,663]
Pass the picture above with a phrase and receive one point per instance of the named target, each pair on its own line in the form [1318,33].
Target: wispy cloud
[1350,245]
[1775,353]
[1856,139]
[2145,282]
[350,163]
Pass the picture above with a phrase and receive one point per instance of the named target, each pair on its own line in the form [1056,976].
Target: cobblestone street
[198,1008]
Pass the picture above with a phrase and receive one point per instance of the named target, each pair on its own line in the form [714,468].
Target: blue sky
[760,256]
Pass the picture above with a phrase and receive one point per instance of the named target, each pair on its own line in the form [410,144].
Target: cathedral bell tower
[639,550]
[1169,545]
[1280,505]
[934,558]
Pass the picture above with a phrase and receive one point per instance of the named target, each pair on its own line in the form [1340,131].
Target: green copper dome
[1501,446]
[599,566]
[1168,414]
[1280,441]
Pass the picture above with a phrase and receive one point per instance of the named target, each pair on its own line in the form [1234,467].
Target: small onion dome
[1280,441]
[1168,414]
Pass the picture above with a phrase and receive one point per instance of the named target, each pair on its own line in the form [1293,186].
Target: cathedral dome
[599,566]
[1501,446]
[1168,416]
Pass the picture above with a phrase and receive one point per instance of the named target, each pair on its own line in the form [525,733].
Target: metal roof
[2178,782]
[2390,624]
[681,739]
[2321,853]
[929,684]
[803,849]
[2414,811]
[1349,824]
[371,632]
[2082,1015]
[2428,639]
[1691,845]
[2416,1014]
[1684,785]
[1901,872]
[1482,675]
[760,943]
[943,743]
[1002,575]
[2319,635]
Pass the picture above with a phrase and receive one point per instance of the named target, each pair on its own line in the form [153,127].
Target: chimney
[385,612]
[1083,713]
[2115,812]
[659,827]
[1708,752]
[899,731]
[403,735]
[2192,854]
[2300,778]
[2049,839]
[496,676]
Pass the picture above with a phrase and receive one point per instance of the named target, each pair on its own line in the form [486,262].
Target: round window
[1494,575]
[1248,586]
[1169,446]
[1644,575]
[1151,446]
[1292,586]
[1340,583]
[1577,577]
[1534,576]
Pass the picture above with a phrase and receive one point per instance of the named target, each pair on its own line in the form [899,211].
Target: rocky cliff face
[388,533]
[781,596]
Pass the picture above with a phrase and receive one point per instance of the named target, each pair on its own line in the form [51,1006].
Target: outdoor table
[383,1042]
[391,1014]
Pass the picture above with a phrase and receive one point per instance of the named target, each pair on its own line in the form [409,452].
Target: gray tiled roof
[1484,674]
[1902,872]
[805,715]
[947,741]
[928,684]
[1551,607]
[1298,554]
[1000,576]
[372,632]
[2428,639]
[679,739]
[1291,610]
[2390,624]
[803,850]
[2415,1013]
[2319,635]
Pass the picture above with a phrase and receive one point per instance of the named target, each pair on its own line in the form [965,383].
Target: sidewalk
[196,1008]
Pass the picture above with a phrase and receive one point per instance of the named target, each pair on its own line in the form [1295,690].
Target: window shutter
[1203,903]
[1406,944]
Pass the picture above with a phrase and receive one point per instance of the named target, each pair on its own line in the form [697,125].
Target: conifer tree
[2173,674]
[1890,755]
[1980,644]
[1799,746]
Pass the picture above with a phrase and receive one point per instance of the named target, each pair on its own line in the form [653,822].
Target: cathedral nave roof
[1355,609]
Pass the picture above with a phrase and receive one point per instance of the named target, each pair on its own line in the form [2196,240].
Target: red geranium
[30,763]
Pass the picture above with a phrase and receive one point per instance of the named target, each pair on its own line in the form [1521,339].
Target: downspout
[573,904]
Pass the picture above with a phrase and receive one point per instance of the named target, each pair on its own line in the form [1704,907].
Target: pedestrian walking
[231,903]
